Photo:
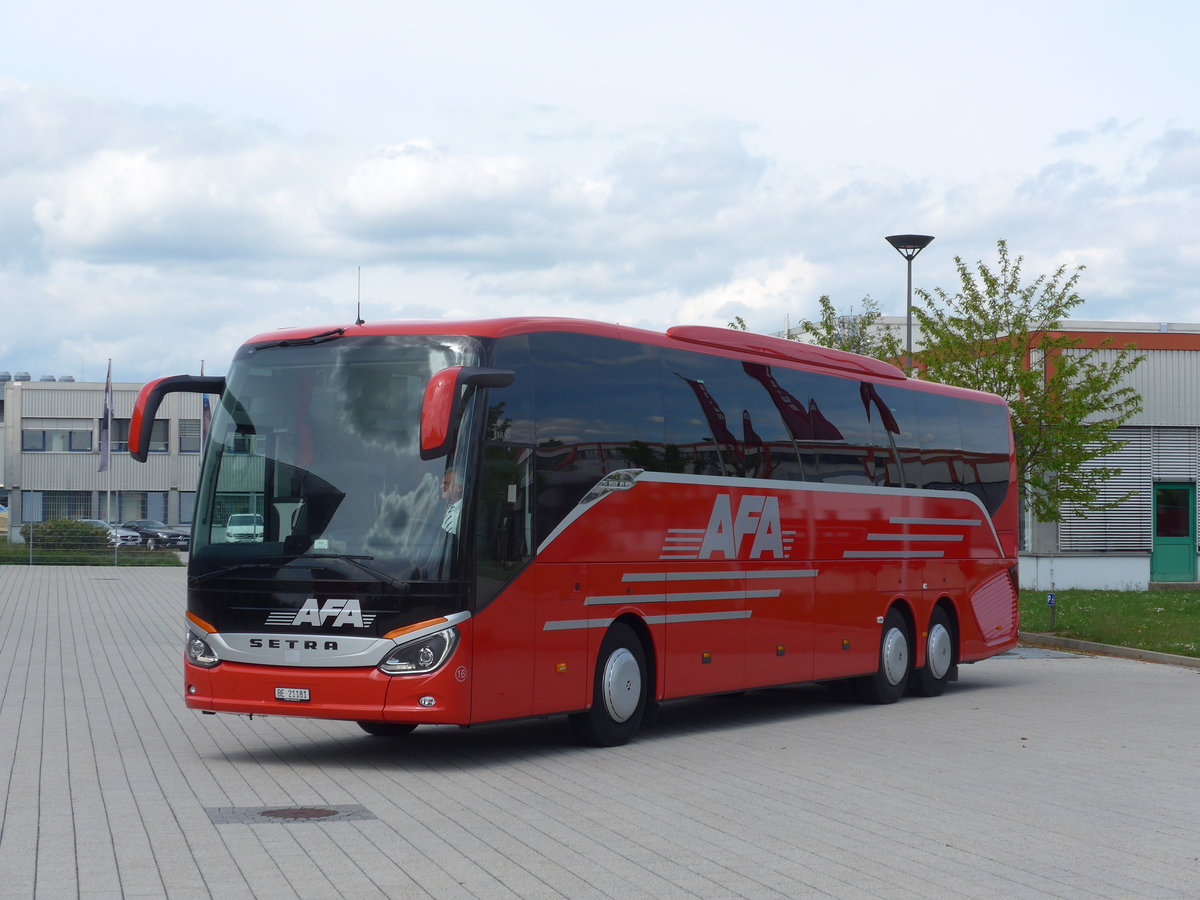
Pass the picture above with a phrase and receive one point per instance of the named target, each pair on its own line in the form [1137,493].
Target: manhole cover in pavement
[298,813]
[258,815]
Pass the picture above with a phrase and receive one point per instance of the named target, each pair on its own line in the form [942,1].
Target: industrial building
[50,454]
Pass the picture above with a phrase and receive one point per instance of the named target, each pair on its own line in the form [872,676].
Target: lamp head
[909,245]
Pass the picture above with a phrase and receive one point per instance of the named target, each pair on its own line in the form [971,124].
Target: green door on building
[1173,557]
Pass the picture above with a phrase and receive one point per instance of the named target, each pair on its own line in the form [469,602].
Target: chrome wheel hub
[939,651]
[622,685]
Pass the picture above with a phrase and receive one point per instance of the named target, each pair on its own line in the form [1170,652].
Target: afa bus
[478,521]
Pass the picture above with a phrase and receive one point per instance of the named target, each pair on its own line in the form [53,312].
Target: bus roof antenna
[358,319]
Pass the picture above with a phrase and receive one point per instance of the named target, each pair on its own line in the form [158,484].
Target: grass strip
[1162,621]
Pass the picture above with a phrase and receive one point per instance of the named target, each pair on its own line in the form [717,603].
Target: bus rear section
[501,519]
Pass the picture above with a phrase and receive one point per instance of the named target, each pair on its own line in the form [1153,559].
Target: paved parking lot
[1040,774]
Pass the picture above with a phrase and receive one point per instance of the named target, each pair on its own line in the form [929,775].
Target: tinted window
[776,423]
[985,428]
[897,454]
[599,408]
[715,418]
[940,437]
[505,533]
[842,448]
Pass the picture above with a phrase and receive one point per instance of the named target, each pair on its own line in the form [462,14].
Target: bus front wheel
[618,691]
[888,683]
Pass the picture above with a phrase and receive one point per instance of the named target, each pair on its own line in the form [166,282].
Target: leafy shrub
[65,534]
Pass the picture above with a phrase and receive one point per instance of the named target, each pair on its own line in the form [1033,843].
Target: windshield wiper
[355,561]
[295,562]
[301,342]
[208,576]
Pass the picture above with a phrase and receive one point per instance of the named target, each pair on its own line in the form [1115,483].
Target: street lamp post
[908,246]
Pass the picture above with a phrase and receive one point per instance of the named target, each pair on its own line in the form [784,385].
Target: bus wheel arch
[621,689]
[941,652]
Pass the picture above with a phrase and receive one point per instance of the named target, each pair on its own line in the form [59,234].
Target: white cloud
[168,230]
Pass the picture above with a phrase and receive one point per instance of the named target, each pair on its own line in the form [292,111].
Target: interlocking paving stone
[1039,774]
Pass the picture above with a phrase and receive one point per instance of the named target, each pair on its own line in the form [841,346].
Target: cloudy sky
[174,179]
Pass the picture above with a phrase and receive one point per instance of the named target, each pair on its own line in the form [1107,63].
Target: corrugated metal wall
[1152,454]
[1169,382]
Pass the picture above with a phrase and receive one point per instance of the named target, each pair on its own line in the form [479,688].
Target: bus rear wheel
[888,683]
[940,650]
[618,691]
[386,729]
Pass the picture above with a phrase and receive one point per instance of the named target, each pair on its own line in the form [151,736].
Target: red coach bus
[467,522]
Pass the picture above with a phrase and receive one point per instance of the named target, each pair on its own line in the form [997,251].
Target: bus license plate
[298,695]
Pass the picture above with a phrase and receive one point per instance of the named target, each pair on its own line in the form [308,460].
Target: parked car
[156,534]
[243,528]
[118,535]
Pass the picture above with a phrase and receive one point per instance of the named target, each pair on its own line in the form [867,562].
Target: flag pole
[106,441]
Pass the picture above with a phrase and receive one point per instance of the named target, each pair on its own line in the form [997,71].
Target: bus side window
[504,531]
[894,435]
[599,409]
[705,398]
[985,450]
[940,438]
[841,444]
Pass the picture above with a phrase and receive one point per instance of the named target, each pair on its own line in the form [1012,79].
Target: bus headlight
[422,655]
[198,652]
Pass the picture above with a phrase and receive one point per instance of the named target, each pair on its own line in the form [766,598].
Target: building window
[130,505]
[56,440]
[42,506]
[159,435]
[187,507]
[66,505]
[189,435]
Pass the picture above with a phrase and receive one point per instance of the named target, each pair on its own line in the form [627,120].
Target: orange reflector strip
[200,623]
[396,632]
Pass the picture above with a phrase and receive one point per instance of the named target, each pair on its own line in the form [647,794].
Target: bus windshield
[313,452]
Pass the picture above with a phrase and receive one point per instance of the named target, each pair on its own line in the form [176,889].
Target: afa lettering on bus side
[757,518]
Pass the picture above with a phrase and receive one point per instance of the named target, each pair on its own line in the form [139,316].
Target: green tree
[998,334]
[856,332]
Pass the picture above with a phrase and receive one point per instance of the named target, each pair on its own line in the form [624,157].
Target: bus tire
[888,683]
[386,729]
[618,691]
[940,650]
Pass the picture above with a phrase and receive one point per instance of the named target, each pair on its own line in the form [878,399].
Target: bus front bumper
[359,694]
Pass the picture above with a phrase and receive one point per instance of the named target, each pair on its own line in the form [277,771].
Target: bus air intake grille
[994,604]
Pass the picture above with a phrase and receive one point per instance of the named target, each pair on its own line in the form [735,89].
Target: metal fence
[71,543]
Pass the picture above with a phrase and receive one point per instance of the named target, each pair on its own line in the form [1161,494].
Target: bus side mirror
[440,408]
[150,397]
